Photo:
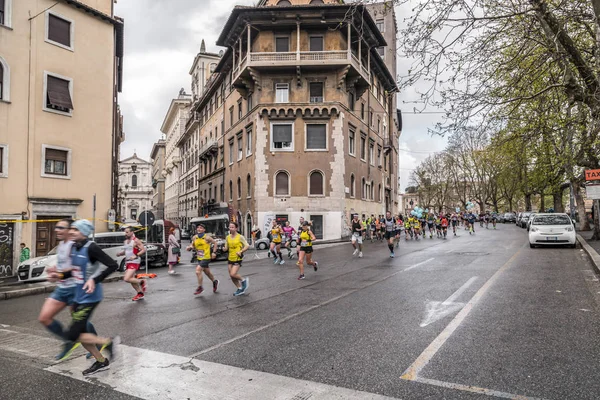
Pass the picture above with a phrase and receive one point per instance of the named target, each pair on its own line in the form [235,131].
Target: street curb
[13,294]
[593,254]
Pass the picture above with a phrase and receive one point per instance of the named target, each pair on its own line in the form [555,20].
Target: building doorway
[317,225]
[45,237]
[6,249]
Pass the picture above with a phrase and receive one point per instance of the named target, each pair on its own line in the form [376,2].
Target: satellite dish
[221,53]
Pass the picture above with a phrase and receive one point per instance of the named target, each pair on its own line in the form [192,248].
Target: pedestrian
[174,251]
[86,257]
[306,238]
[133,250]
[64,293]
[357,230]
[25,253]
[236,245]
[202,244]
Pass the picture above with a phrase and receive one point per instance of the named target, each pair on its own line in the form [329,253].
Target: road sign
[593,192]
[146,218]
[592,175]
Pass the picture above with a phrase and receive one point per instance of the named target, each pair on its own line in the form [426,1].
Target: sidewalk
[591,247]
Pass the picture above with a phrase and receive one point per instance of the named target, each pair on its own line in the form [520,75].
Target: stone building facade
[157,157]
[299,117]
[135,187]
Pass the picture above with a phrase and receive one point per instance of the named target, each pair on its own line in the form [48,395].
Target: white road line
[413,371]
[460,291]
[418,265]
[475,389]
[436,310]
[152,375]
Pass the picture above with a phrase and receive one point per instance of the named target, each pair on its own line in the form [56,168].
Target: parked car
[510,217]
[499,218]
[185,235]
[264,243]
[522,222]
[530,219]
[552,229]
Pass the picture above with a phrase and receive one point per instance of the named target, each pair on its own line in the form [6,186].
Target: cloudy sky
[162,38]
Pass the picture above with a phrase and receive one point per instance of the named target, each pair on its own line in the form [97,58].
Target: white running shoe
[360,254]
[355,252]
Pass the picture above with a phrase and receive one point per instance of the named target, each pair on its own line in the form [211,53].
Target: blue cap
[84,226]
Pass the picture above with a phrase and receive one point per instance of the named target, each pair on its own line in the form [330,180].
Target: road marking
[418,265]
[299,313]
[152,375]
[474,389]
[436,310]
[417,366]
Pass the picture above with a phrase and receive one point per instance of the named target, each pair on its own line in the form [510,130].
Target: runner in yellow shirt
[202,243]
[236,245]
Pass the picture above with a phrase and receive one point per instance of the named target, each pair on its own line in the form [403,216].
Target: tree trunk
[481,206]
[558,201]
[596,235]
[542,202]
[510,205]
[528,202]
[583,222]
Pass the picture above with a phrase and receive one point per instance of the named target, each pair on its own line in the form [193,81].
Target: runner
[430,227]
[306,238]
[389,224]
[64,293]
[373,228]
[398,229]
[300,230]
[454,219]
[444,223]
[133,249]
[288,231]
[471,218]
[416,225]
[202,243]
[86,258]
[494,219]
[438,226]
[236,245]
[276,234]
[357,229]
[408,227]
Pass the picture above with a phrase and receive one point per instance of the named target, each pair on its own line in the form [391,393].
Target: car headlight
[533,229]
[569,229]
[38,263]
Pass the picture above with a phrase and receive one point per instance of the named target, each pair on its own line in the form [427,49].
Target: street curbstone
[592,254]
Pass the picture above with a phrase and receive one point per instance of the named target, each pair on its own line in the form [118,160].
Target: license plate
[551,238]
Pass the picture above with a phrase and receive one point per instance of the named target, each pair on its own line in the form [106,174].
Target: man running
[444,224]
[86,258]
[430,227]
[133,250]
[389,225]
[471,218]
[276,234]
[64,294]
[454,219]
[306,238]
[202,243]
[357,229]
[236,245]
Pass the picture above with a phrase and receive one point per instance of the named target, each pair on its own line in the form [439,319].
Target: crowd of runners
[79,276]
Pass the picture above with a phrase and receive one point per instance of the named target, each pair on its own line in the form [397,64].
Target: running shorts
[204,263]
[389,235]
[454,223]
[306,249]
[64,295]
[239,262]
[133,266]
[357,237]
[80,315]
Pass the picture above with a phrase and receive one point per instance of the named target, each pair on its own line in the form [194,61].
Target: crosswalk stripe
[152,375]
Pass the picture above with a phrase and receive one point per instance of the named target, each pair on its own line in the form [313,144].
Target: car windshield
[216,227]
[509,215]
[552,220]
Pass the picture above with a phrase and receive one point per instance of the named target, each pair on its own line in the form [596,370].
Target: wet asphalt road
[533,330]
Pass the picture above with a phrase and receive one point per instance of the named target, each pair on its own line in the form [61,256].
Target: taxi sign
[592,175]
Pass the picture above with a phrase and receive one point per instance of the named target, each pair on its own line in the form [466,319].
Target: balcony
[246,70]
[210,148]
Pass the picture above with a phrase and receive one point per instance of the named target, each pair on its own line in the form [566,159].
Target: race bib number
[200,253]
[304,243]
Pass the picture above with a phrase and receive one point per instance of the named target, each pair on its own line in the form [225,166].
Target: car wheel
[293,244]
[573,246]
[122,266]
[532,245]
[262,246]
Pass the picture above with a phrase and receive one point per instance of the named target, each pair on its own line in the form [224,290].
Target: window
[250,105]
[56,162]
[316,184]
[134,213]
[240,147]
[249,185]
[5,11]
[4,79]
[371,152]
[380,25]
[230,190]
[378,124]
[316,43]
[316,2]
[379,193]
[231,152]
[59,30]
[282,137]
[379,156]
[3,160]
[371,189]
[316,137]
[351,141]
[248,142]
[282,92]
[352,185]
[221,191]
[364,189]
[282,44]
[230,116]
[362,111]
[58,94]
[134,181]
[316,92]
[363,149]
[351,101]
[240,109]
[370,117]
[282,184]
[239,187]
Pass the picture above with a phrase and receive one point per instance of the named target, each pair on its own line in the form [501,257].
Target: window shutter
[56,155]
[316,89]
[59,30]
[58,92]
[282,133]
[1,5]
[316,183]
[316,43]
[281,184]
[316,136]
[282,45]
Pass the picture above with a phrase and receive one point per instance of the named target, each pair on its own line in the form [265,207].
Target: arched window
[316,2]
[230,190]
[239,187]
[249,185]
[379,193]
[364,189]
[282,184]
[352,185]
[316,184]
[372,189]
[134,181]
[284,3]
[4,80]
